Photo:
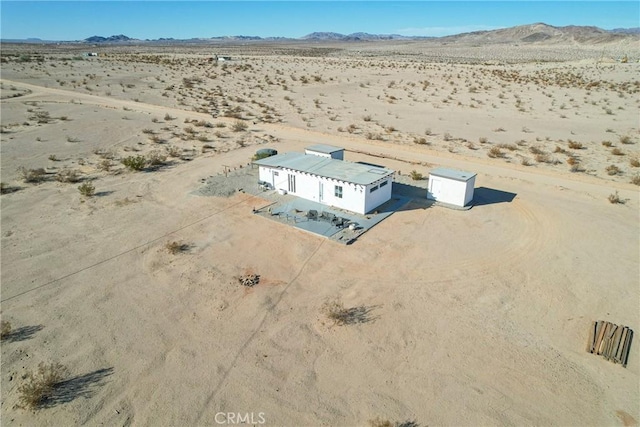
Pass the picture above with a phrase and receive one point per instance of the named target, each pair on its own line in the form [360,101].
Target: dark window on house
[338,191]
[383,183]
[372,189]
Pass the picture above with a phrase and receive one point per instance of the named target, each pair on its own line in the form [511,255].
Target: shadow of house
[489,196]
[23,333]
[81,386]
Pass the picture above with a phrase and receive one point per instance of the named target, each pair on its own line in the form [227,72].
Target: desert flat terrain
[476,317]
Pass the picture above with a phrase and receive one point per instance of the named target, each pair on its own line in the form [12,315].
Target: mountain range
[532,33]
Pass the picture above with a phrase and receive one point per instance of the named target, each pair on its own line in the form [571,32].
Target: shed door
[321,192]
[436,187]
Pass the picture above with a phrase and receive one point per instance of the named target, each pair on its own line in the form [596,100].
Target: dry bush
[559,149]
[147,131]
[87,189]
[482,140]
[239,126]
[173,151]
[352,128]
[156,158]
[635,179]
[420,140]
[415,175]
[32,175]
[447,136]
[495,152]
[572,160]
[68,175]
[575,145]
[635,162]
[105,165]
[5,329]
[40,385]
[615,198]
[625,139]
[374,136]
[176,247]
[612,170]
[367,118]
[53,158]
[607,143]
[543,158]
[525,162]
[167,117]
[536,150]
[136,163]
[617,152]
[510,147]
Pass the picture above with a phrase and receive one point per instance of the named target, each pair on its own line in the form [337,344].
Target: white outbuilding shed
[324,150]
[355,187]
[451,186]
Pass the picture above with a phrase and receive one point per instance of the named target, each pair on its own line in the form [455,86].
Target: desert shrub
[32,175]
[87,189]
[420,140]
[572,161]
[174,151]
[495,152]
[415,175]
[40,385]
[543,158]
[625,139]
[635,179]
[612,170]
[559,149]
[167,117]
[352,128]
[105,165]
[575,145]
[147,131]
[239,126]
[482,140]
[617,152]
[525,162]
[5,329]
[176,247]
[136,163]
[614,198]
[68,175]
[510,147]
[374,136]
[367,118]
[536,150]
[635,162]
[447,136]
[336,311]
[607,143]
[53,158]
[156,158]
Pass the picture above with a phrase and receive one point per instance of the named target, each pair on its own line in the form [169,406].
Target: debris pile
[610,341]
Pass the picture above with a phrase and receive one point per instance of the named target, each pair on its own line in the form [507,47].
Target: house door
[274,174]
[321,192]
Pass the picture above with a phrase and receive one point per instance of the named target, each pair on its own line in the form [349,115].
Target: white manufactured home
[355,187]
[451,186]
[324,150]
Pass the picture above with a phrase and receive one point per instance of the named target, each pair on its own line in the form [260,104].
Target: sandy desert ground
[476,317]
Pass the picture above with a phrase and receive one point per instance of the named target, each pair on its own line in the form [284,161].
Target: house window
[372,189]
[383,183]
[275,173]
[338,191]
[292,183]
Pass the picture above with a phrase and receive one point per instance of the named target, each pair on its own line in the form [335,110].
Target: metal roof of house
[324,148]
[452,174]
[355,173]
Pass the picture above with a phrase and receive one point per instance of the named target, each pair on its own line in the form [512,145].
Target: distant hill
[539,33]
[355,37]
[112,39]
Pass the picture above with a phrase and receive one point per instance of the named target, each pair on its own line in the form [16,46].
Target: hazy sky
[77,20]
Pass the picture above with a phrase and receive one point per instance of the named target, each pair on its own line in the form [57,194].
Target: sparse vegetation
[495,152]
[612,170]
[87,189]
[32,175]
[617,152]
[68,175]
[415,175]
[239,126]
[625,139]
[176,247]
[635,179]
[5,329]
[39,386]
[575,145]
[615,198]
[136,163]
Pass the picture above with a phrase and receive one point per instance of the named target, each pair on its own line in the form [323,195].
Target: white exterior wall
[355,198]
[451,191]
[379,196]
